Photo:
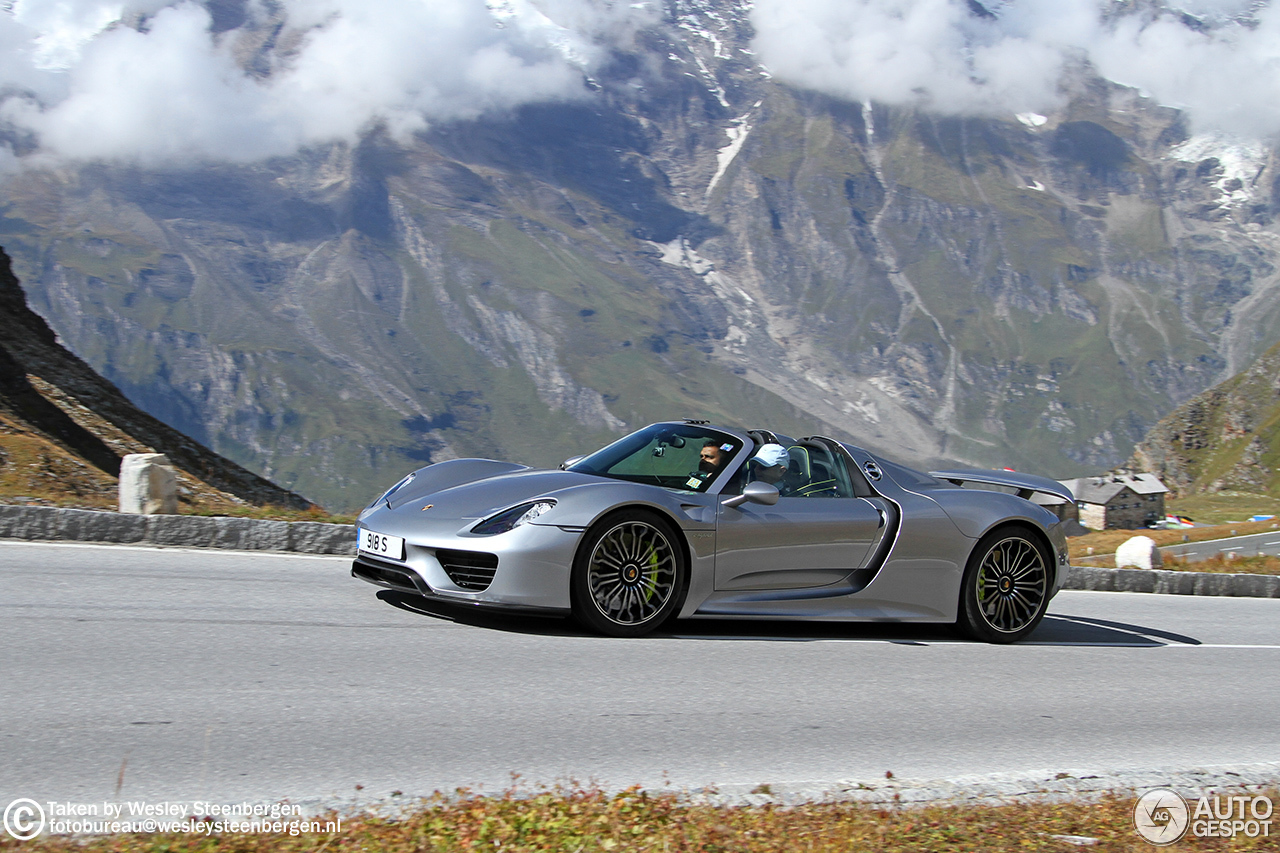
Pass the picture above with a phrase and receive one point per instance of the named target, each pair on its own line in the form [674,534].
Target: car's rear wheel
[629,574]
[1006,586]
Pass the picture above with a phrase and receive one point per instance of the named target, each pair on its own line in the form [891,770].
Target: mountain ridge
[691,237]
[60,420]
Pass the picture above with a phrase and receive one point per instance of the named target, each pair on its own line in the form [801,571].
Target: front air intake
[469,570]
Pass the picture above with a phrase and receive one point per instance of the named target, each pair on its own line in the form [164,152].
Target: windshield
[677,456]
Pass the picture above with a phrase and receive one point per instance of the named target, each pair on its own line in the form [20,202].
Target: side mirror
[757,492]
[570,462]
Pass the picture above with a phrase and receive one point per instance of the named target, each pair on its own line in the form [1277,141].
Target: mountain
[64,429]
[1227,438]
[690,237]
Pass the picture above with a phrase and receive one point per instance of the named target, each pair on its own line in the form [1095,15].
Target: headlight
[510,519]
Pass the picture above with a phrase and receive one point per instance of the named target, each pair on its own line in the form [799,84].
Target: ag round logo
[24,819]
[1161,816]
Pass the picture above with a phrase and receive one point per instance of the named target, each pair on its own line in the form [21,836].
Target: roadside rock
[148,485]
[1139,552]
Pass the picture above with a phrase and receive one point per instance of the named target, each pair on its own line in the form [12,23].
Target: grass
[1098,548]
[38,471]
[1225,507]
[590,821]
[1256,565]
[277,513]
[1103,542]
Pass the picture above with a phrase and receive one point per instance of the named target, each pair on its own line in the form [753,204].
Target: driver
[711,459]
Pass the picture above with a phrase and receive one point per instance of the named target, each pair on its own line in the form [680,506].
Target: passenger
[770,466]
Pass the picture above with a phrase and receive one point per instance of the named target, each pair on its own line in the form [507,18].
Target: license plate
[381,544]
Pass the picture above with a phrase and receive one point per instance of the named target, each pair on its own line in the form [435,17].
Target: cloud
[1218,59]
[149,82]
[1227,79]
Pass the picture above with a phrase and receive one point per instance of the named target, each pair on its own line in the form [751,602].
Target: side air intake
[469,570]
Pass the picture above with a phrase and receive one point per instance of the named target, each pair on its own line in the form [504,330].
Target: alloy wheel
[1011,585]
[632,573]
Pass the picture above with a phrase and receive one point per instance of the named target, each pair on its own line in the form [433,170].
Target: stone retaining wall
[188,531]
[1173,583]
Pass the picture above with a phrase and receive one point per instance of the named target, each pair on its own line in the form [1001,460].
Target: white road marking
[1138,642]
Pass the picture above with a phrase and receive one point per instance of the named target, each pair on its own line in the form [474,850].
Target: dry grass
[36,472]
[275,513]
[39,471]
[585,821]
[1224,507]
[1257,565]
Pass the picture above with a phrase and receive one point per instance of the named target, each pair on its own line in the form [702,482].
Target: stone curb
[990,789]
[1005,788]
[188,531]
[1169,582]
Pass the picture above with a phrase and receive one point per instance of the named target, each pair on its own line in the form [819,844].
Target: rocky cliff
[690,237]
[1227,438]
[63,428]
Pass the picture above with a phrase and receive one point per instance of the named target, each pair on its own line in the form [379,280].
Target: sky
[150,82]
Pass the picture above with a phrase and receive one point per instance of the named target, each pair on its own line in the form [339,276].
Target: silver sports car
[686,519]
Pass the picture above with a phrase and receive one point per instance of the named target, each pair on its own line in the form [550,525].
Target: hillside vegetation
[1224,440]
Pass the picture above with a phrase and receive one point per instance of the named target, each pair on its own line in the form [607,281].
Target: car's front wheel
[629,574]
[1006,586]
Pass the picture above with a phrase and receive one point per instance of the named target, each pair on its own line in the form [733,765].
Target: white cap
[771,455]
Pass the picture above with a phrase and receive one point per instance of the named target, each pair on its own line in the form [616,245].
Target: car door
[817,533]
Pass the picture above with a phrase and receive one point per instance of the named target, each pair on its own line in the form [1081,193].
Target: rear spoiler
[1051,492]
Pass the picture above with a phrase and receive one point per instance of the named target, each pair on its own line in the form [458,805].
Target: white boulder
[1140,552]
[148,485]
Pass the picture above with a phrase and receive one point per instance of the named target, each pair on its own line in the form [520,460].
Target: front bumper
[404,580]
[527,568]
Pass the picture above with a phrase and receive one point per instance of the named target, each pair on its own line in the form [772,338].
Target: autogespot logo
[1161,816]
[24,819]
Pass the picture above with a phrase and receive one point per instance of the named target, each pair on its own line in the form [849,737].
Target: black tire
[629,575]
[1006,586]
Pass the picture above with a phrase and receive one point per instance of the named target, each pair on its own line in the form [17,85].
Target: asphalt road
[134,673]
[1242,546]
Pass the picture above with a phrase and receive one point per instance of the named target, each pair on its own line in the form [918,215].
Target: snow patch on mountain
[1241,162]
[678,253]
[527,16]
[737,133]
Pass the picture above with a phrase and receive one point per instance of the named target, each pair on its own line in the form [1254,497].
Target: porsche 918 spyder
[686,519]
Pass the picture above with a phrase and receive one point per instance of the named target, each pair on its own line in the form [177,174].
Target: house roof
[1100,490]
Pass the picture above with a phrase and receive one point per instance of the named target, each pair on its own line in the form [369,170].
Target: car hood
[493,489]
